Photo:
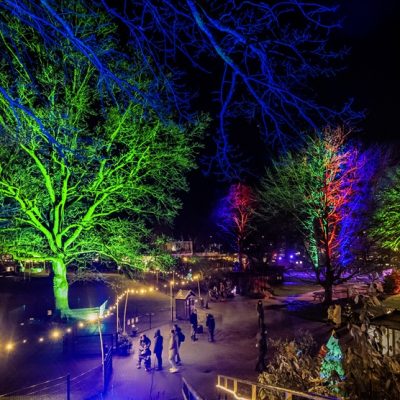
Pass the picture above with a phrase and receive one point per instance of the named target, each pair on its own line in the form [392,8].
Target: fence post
[68,387]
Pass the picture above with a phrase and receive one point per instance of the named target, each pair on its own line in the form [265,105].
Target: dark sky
[371,28]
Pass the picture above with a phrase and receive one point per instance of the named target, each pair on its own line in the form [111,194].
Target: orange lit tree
[327,189]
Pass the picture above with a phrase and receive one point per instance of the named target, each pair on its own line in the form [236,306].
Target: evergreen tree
[332,362]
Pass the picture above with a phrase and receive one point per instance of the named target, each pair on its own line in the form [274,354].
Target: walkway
[234,352]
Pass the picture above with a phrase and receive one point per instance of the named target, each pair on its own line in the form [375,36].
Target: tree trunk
[240,254]
[328,284]
[60,286]
[328,294]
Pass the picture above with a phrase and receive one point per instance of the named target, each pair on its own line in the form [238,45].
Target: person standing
[172,351]
[260,313]
[210,323]
[194,323]
[158,348]
[262,349]
[180,338]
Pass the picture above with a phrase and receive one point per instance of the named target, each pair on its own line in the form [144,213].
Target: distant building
[180,248]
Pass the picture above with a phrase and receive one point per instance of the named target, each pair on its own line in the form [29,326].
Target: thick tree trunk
[328,294]
[60,286]
[328,284]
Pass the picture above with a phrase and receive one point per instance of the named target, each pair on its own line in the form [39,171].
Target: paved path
[233,354]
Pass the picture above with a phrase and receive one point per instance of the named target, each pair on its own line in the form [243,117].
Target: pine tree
[332,362]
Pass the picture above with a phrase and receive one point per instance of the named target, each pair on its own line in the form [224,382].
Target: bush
[391,283]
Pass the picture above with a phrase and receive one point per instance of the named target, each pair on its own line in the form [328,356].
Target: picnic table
[319,296]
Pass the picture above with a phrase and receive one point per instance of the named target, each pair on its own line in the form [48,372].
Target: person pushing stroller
[144,353]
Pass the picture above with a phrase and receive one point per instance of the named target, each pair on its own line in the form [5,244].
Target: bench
[319,296]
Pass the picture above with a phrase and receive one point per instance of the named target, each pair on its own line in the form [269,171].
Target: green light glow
[315,187]
[120,167]
[387,217]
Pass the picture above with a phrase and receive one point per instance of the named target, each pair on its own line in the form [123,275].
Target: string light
[10,346]
[57,334]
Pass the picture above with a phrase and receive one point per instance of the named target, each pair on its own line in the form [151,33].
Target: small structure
[184,304]
[386,330]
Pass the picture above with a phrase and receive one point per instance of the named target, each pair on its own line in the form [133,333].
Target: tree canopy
[387,217]
[79,173]
[260,58]
[327,189]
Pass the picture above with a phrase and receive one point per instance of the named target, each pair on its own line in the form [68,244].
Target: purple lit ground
[233,354]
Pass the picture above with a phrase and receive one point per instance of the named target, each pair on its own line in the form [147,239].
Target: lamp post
[172,300]
[126,304]
[171,293]
[117,314]
[101,347]
[198,285]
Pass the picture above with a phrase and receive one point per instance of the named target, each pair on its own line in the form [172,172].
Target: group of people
[176,338]
[221,291]
[210,324]
[144,352]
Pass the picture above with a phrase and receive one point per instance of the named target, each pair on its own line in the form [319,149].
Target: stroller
[145,356]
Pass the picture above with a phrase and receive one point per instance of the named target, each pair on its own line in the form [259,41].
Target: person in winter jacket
[194,323]
[180,337]
[262,346]
[172,350]
[158,348]
[210,323]
[144,352]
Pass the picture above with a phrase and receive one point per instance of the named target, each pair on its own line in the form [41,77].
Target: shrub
[391,283]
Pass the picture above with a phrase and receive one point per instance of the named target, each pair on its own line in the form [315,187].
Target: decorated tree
[326,188]
[331,367]
[264,56]
[235,214]
[81,172]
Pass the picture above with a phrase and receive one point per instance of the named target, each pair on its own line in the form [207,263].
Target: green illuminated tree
[81,173]
[332,362]
[387,217]
[326,190]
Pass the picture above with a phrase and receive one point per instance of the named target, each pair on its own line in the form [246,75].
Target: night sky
[371,30]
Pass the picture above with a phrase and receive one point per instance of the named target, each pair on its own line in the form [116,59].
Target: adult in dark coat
[210,323]
[262,346]
[194,323]
[179,339]
[158,348]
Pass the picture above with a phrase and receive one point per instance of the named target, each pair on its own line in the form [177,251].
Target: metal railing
[188,392]
[84,385]
[246,390]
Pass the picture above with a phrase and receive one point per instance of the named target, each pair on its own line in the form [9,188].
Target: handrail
[222,383]
[188,392]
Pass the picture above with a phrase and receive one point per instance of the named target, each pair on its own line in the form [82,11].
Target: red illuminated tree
[327,190]
[235,215]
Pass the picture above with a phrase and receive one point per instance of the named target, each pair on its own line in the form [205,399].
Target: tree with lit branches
[264,58]
[387,216]
[82,173]
[235,214]
[326,188]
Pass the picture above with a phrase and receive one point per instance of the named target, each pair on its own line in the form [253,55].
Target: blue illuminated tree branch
[263,54]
